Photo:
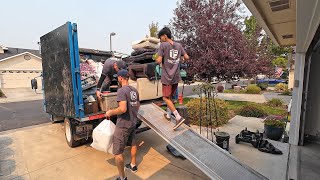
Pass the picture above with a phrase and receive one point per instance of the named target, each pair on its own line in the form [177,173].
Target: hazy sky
[23,22]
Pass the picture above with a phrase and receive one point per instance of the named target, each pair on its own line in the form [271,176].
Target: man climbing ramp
[169,56]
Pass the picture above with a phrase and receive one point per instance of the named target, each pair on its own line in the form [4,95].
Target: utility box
[108,101]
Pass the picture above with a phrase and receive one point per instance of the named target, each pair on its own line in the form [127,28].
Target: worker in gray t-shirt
[110,68]
[169,56]
[125,131]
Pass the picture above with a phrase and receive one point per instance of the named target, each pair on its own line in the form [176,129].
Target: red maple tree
[211,33]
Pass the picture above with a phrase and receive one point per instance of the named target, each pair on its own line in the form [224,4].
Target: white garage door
[9,79]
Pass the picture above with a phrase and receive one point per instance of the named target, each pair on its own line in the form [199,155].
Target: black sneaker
[123,179]
[178,123]
[129,167]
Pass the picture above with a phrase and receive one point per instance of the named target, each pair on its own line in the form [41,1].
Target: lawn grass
[237,105]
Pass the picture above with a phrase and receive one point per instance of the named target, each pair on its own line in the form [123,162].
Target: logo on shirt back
[133,97]
[173,53]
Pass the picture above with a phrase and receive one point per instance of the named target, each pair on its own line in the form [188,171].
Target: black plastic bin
[222,139]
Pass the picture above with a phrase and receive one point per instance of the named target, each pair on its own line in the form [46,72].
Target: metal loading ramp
[207,156]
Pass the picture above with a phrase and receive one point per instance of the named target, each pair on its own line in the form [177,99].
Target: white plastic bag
[103,136]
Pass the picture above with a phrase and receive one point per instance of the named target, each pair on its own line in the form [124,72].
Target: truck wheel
[69,133]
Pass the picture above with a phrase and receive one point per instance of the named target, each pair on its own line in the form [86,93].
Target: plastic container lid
[222,134]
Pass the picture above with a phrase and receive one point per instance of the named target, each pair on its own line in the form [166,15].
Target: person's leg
[119,142]
[169,103]
[120,165]
[168,91]
[134,150]
[179,119]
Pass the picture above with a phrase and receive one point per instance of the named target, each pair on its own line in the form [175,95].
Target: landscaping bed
[228,109]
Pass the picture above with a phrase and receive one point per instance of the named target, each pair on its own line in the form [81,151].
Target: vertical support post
[77,77]
[297,99]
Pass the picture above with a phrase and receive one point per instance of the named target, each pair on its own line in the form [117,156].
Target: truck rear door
[61,72]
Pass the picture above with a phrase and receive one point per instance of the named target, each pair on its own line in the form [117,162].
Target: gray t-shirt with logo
[131,96]
[171,55]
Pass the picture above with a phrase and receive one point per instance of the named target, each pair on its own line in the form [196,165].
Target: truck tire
[69,133]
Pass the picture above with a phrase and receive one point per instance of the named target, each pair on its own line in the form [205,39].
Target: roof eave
[254,11]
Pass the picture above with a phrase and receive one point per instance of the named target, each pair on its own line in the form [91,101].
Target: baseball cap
[122,73]
[121,64]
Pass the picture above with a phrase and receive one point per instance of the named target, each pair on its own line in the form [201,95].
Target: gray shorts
[123,137]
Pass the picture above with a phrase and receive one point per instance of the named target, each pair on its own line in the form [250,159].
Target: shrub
[220,89]
[275,102]
[281,87]
[287,93]
[252,110]
[253,89]
[263,86]
[275,121]
[194,112]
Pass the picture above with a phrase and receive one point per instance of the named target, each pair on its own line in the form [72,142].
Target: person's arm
[120,110]
[159,60]
[101,79]
[184,54]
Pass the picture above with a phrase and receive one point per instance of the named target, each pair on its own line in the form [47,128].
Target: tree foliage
[153,28]
[211,33]
[280,62]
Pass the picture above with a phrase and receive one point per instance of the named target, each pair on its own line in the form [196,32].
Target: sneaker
[165,116]
[123,179]
[129,167]
[178,123]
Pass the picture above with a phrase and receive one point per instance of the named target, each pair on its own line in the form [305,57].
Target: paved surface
[21,114]
[309,161]
[20,94]
[42,153]
[258,98]
[273,167]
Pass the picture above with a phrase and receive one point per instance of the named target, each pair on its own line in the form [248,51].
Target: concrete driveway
[22,114]
[40,152]
[21,94]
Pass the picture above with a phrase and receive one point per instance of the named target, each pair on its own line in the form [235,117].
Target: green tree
[280,62]
[153,27]
[268,53]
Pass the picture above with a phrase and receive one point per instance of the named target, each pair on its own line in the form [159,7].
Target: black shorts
[123,137]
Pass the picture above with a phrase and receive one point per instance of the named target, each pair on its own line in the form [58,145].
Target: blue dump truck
[63,87]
